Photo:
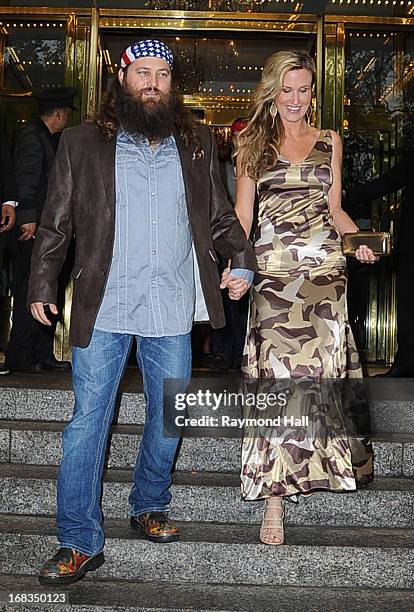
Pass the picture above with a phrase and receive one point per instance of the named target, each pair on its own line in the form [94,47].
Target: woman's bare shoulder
[334,135]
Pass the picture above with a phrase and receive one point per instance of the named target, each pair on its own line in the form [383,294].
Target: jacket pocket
[76,271]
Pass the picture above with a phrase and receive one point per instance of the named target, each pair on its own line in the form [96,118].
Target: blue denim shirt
[151,288]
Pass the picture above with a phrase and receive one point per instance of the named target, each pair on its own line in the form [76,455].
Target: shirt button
[154,252]
[154,222]
[153,193]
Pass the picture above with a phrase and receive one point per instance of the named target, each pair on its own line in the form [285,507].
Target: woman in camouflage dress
[298,317]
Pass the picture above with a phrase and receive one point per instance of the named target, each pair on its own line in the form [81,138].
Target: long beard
[153,119]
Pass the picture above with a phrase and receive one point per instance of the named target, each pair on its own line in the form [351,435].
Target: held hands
[237,286]
[38,312]
[365,255]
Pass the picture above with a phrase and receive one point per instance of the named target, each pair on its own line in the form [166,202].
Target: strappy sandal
[271,530]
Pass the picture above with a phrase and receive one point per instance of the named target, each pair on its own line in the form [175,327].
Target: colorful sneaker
[68,566]
[156,527]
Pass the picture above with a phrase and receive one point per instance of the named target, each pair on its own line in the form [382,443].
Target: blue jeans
[97,371]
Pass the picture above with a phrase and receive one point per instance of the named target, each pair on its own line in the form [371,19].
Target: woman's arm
[227,233]
[245,194]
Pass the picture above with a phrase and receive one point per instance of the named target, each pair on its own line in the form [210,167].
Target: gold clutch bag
[378,242]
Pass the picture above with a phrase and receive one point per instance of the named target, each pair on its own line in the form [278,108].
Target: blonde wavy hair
[257,146]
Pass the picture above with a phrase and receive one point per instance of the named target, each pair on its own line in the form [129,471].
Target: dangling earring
[308,115]
[273,113]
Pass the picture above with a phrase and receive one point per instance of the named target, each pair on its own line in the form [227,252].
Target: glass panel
[34,59]
[217,73]
[34,56]
[379,100]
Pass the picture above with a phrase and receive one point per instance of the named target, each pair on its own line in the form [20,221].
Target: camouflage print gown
[298,329]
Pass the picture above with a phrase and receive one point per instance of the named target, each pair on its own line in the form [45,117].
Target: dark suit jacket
[33,160]
[8,189]
[401,176]
[81,200]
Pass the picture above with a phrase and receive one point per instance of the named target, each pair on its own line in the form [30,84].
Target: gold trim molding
[207,15]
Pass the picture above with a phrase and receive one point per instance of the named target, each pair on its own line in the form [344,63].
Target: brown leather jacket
[81,201]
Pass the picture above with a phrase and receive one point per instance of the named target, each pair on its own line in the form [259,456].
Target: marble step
[230,554]
[113,595]
[387,415]
[39,443]
[213,496]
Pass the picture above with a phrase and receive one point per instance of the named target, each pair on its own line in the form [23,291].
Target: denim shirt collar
[141,141]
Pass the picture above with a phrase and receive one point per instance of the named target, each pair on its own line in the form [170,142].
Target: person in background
[8,203]
[227,343]
[401,176]
[8,189]
[228,167]
[30,347]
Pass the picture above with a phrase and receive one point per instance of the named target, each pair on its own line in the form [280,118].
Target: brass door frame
[333,54]
[195,20]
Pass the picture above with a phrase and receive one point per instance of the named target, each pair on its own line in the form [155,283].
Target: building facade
[364,51]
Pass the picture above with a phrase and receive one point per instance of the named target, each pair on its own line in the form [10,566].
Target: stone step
[230,554]
[57,405]
[209,496]
[96,595]
[387,416]
[39,443]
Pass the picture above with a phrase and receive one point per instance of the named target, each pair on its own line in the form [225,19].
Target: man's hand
[38,312]
[237,286]
[7,214]
[28,231]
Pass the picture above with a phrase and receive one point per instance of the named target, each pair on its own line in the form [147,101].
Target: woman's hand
[365,255]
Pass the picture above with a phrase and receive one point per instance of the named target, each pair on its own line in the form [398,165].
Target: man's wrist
[245,274]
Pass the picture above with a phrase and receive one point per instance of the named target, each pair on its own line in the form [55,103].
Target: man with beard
[139,185]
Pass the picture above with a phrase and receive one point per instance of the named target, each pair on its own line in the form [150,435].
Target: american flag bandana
[146,48]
